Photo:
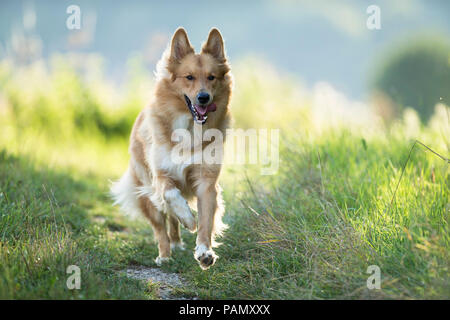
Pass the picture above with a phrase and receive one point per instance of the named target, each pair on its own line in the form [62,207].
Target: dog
[192,91]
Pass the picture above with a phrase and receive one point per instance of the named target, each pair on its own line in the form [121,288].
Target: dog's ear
[214,45]
[180,45]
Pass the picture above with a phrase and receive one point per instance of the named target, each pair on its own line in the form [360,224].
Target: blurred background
[325,45]
[302,66]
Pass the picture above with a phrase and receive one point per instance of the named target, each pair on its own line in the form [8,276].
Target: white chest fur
[182,122]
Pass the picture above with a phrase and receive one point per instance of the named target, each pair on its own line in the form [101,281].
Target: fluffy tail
[124,194]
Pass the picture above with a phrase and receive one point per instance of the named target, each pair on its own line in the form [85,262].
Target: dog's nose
[203,97]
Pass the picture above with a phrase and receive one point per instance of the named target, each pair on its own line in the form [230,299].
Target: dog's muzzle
[199,112]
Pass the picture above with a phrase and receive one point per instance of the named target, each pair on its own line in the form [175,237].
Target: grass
[48,223]
[308,232]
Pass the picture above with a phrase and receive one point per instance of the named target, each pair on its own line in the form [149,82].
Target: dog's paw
[180,208]
[160,260]
[186,218]
[206,257]
[177,246]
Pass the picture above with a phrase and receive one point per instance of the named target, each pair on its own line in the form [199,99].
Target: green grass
[308,232]
[48,222]
[311,231]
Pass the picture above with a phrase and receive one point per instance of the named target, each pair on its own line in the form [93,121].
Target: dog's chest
[177,157]
[182,122]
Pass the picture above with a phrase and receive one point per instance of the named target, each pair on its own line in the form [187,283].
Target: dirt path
[167,281]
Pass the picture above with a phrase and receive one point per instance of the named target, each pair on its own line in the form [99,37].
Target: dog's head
[201,79]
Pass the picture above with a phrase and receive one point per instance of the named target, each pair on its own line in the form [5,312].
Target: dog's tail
[124,194]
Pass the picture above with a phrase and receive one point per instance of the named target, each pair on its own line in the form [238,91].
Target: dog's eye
[189,77]
[211,78]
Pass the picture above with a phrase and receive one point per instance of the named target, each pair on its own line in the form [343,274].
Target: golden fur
[155,186]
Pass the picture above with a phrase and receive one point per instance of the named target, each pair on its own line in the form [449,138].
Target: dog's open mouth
[199,112]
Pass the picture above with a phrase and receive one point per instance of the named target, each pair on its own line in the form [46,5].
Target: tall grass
[316,225]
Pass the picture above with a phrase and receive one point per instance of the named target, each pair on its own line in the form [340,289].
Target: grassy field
[308,232]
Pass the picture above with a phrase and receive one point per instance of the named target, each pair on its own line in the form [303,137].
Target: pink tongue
[203,110]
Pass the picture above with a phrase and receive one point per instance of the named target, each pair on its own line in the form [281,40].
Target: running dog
[192,90]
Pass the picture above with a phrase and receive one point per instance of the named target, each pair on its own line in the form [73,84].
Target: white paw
[186,218]
[205,256]
[180,208]
[177,245]
[160,260]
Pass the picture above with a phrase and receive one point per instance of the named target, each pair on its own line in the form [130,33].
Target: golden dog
[192,90]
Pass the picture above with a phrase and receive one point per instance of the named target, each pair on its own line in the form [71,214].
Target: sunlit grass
[315,226]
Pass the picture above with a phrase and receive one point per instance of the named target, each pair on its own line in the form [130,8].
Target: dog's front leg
[207,207]
[175,204]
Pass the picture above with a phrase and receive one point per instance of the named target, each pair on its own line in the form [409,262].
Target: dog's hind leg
[158,222]
[174,233]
